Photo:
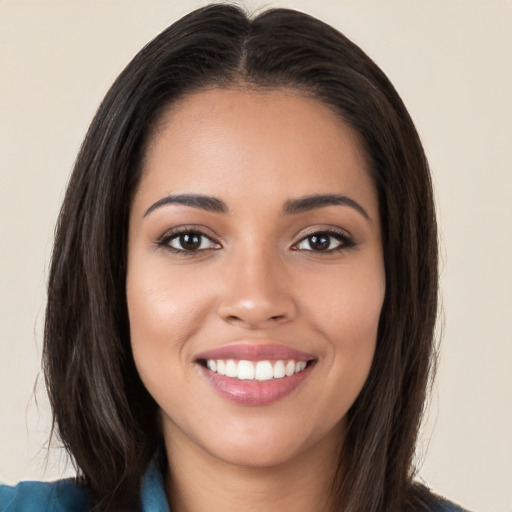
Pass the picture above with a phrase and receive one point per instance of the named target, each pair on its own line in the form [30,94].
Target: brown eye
[319,242]
[190,241]
[325,241]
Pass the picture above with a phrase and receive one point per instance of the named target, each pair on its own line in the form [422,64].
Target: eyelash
[165,241]
[345,241]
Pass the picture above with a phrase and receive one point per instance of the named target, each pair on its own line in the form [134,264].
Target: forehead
[254,144]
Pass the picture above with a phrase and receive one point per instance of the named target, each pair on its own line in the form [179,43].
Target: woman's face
[255,275]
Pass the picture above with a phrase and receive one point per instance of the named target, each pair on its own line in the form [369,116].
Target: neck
[198,481]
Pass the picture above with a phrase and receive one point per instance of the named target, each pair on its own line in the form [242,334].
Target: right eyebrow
[208,203]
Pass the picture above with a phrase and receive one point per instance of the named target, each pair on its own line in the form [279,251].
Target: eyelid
[164,240]
[346,239]
[321,228]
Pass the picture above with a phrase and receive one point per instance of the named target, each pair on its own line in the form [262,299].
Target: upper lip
[251,351]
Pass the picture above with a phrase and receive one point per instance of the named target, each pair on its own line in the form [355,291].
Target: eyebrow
[291,207]
[210,204]
[313,202]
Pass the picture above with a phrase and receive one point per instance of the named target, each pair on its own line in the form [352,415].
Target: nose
[258,293]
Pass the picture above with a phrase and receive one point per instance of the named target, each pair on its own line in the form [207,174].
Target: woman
[243,289]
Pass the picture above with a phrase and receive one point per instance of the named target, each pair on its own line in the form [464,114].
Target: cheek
[346,310]
[347,304]
[165,311]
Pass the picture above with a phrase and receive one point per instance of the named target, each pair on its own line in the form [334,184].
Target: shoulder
[424,500]
[66,496]
[443,505]
[59,496]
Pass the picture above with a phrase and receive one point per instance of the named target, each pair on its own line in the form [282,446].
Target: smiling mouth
[260,371]
[250,373]
[255,383]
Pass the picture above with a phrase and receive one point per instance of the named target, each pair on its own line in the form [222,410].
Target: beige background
[452,63]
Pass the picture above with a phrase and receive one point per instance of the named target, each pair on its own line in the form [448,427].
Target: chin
[258,456]
[271,446]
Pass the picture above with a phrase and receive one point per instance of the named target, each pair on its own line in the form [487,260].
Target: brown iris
[319,242]
[190,241]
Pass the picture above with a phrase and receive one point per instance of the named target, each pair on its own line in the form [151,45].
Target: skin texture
[255,279]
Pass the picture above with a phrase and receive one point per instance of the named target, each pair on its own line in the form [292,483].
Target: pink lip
[256,352]
[248,392]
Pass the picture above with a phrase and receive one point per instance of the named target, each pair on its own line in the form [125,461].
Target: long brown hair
[102,412]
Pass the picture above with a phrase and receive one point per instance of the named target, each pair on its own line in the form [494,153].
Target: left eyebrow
[304,204]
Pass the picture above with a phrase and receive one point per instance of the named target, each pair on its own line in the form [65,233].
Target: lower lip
[253,392]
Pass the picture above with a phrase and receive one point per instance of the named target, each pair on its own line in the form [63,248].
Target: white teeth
[279,372]
[264,370]
[290,368]
[245,370]
[251,370]
[300,366]
[231,368]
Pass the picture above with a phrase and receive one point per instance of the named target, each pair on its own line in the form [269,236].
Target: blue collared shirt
[65,496]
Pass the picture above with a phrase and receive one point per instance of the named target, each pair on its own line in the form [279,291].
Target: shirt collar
[153,498]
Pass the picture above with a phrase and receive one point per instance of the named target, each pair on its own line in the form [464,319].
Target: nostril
[254,314]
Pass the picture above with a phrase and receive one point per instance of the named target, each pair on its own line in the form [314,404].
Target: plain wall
[451,61]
